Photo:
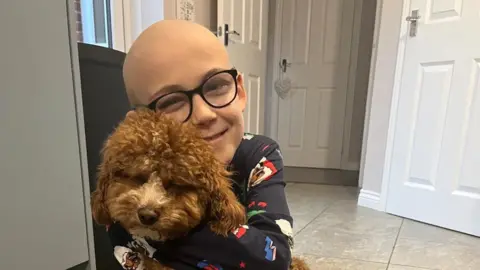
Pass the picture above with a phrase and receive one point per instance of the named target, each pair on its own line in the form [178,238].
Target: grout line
[342,258]
[412,266]
[395,243]
[311,221]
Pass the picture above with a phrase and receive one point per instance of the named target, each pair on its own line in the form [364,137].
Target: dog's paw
[298,264]
[152,264]
[129,259]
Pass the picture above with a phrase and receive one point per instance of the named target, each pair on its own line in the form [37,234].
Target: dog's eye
[140,178]
[167,184]
[170,185]
[175,186]
[120,174]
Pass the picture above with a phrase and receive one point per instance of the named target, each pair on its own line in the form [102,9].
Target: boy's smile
[216,136]
[176,55]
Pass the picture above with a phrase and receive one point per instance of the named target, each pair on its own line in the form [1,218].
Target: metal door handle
[284,64]
[413,19]
[233,33]
[229,32]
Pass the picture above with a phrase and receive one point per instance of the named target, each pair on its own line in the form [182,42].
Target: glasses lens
[175,105]
[220,89]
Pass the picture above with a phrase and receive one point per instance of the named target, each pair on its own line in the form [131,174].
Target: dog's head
[159,179]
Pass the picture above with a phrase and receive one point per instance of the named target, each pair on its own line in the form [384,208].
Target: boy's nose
[202,113]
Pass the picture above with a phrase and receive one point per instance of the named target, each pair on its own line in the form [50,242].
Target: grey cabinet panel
[42,208]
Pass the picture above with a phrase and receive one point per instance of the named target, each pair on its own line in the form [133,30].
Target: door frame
[128,20]
[402,44]
[371,79]
[346,164]
[273,99]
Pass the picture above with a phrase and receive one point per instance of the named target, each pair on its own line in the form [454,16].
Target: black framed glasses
[218,91]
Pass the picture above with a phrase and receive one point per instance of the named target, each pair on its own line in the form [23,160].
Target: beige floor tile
[304,208]
[421,231]
[347,217]
[343,230]
[358,234]
[332,243]
[434,255]
[325,263]
[301,220]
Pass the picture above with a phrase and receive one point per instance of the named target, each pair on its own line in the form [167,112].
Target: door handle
[284,64]
[229,32]
[413,19]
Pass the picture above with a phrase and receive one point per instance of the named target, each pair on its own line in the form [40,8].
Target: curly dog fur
[159,180]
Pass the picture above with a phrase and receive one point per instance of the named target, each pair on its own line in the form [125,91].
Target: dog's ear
[97,201]
[227,213]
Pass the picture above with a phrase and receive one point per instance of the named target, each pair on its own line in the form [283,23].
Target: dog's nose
[147,216]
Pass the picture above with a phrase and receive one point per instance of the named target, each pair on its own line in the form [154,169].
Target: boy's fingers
[131,113]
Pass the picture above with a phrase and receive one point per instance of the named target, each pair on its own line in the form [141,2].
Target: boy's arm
[266,241]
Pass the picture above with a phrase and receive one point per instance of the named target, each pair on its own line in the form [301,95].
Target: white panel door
[434,175]
[247,22]
[315,41]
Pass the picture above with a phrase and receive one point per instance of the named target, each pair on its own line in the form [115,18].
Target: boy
[181,69]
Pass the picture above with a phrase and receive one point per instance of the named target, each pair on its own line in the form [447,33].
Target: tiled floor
[332,233]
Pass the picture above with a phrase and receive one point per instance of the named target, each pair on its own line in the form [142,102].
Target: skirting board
[369,199]
[351,166]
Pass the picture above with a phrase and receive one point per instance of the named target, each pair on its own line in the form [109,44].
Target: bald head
[171,52]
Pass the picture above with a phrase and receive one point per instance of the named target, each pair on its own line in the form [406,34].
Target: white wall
[377,118]
[205,12]
[361,82]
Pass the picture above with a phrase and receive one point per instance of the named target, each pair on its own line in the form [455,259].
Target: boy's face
[184,66]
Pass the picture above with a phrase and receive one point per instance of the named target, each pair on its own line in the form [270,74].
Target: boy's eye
[172,102]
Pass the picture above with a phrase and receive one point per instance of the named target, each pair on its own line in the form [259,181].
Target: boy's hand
[130,113]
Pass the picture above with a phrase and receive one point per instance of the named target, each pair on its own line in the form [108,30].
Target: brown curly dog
[159,180]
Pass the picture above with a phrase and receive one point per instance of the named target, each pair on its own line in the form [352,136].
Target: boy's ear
[242,94]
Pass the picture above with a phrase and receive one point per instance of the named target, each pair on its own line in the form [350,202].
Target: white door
[434,175]
[315,41]
[247,22]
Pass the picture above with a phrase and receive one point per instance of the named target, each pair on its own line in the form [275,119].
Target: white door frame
[121,24]
[130,18]
[394,106]
[272,97]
